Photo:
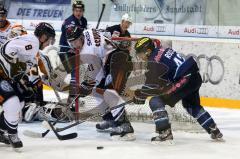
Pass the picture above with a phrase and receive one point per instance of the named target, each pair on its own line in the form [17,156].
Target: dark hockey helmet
[3,10]
[44,28]
[78,4]
[144,44]
[73,32]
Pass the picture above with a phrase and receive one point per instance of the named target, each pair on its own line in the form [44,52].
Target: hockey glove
[139,98]
[140,95]
[86,88]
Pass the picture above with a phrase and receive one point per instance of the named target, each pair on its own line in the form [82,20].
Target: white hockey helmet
[17,30]
[127,17]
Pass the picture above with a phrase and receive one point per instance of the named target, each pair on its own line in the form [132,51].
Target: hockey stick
[101,14]
[33,134]
[67,136]
[56,130]
[61,137]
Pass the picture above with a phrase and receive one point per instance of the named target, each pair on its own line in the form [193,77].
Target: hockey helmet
[144,44]
[44,28]
[78,4]
[127,17]
[73,32]
[3,10]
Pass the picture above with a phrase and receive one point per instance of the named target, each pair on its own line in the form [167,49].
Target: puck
[100,147]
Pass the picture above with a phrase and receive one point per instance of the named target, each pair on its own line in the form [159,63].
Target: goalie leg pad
[160,115]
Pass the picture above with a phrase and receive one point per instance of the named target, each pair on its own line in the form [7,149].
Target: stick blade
[32,134]
[68,136]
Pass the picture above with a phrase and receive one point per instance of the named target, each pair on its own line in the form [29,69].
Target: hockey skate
[165,137]
[123,132]
[3,137]
[215,133]
[15,141]
[105,126]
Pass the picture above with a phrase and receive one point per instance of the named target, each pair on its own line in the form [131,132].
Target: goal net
[179,118]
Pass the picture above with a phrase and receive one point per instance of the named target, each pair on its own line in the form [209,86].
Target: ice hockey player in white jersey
[5,25]
[95,50]
[17,57]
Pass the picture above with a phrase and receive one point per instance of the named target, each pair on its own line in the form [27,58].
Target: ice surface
[187,145]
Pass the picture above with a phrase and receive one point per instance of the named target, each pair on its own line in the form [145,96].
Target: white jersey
[94,53]
[22,49]
[4,33]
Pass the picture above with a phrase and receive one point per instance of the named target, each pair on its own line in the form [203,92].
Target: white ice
[187,145]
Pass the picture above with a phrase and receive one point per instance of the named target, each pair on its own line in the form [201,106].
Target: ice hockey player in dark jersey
[121,30]
[76,19]
[171,78]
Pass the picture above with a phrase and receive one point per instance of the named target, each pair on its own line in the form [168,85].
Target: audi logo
[160,29]
[211,68]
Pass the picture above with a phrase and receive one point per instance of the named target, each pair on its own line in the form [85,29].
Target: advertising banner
[39,9]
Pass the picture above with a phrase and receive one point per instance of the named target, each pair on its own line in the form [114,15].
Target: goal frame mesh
[178,116]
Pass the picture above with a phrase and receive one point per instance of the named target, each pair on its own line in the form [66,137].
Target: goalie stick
[33,134]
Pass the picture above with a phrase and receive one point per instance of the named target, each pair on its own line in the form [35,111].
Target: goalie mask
[17,30]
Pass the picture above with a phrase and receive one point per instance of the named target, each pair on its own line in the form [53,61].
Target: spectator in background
[5,25]
[76,19]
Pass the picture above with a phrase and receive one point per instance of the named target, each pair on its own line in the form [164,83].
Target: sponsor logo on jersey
[116,34]
[159,55]
[3,37]
[87,35]
[5,86]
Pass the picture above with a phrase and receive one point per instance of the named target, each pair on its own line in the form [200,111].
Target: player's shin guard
[160,117]
[9,119]
[206,121]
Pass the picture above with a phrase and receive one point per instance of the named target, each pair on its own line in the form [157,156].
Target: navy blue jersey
[70,21]
[167,65]
[116,31]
